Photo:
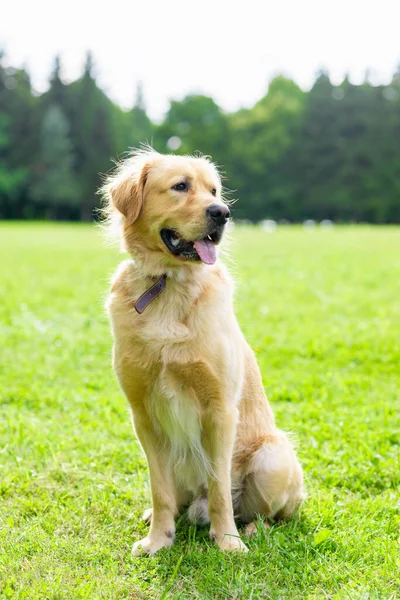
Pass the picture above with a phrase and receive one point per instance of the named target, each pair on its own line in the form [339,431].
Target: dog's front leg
[162,527]
[219,431]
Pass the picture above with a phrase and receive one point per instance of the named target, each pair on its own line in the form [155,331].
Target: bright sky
[223,48]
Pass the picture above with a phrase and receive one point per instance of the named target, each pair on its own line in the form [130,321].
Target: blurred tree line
[330,153]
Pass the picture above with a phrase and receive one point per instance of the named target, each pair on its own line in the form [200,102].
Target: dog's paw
[151,545]
[251,528]
[230,543]
[146,516]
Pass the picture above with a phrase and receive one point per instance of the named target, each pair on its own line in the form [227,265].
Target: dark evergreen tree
[20,125]
[94,134]
[317,154]
[55,187]
[140,126]
[57,93]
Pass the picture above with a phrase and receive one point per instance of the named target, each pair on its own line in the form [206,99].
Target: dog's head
[171,208]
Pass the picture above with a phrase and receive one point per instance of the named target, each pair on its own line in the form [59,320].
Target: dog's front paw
[150,545]
[230,543]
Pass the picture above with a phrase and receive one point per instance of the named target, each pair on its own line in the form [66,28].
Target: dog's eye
[214,192]
[180,187]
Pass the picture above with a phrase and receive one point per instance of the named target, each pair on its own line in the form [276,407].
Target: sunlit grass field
[321,309]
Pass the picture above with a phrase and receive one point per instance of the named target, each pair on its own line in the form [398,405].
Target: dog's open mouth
[203,249]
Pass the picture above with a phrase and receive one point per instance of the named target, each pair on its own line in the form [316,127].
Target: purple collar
[150,294]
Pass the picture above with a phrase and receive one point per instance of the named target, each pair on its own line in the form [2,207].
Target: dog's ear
[125,191]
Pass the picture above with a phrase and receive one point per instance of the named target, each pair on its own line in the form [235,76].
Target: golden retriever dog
[194,388]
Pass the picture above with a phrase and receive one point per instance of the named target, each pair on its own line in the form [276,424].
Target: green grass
[322,311]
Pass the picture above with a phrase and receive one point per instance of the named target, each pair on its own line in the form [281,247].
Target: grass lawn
[322,311]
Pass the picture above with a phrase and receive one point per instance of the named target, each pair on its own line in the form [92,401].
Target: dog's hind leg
[146,516]
[251,528]
[272,484]
[198,510]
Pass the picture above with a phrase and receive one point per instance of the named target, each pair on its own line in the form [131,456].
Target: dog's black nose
[219,213]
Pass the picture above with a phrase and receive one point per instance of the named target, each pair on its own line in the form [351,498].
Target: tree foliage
[55,185]
[332,152]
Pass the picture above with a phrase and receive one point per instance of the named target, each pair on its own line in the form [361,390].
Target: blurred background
[299,105]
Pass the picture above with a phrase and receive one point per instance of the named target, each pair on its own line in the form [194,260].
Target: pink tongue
[206,250]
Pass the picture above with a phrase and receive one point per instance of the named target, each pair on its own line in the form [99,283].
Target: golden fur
[193,384]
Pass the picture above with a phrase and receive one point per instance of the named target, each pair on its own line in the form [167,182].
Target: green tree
[58,91]
[195,124]
[95,128]
[262,137]
[318,154]
[55,186]
[360,121]
[11,181]
[19,126]
[344,155]
[139,126]
[392,165]
[382,178]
